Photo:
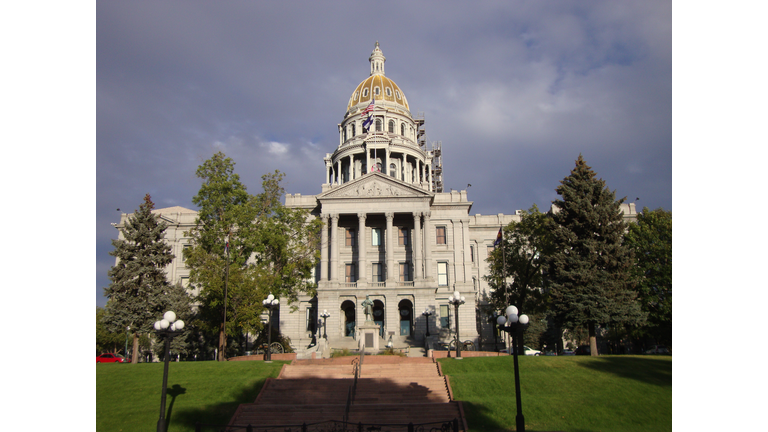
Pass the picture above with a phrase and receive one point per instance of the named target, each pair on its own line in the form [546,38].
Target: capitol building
[390,234]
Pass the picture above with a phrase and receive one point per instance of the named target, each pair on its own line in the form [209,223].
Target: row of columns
[421,242]
[424,168]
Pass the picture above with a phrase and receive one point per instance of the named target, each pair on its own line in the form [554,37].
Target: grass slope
[607,393]
[128,396]
[575,394]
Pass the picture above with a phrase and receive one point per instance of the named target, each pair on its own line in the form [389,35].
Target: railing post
[249,428]
[410,427]
[360,426]
[304,427]
[455,425]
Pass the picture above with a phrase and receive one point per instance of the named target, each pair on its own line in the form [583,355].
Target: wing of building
[390,234]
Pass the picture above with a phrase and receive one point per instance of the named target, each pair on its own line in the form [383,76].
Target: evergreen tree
[651,240]
[590,278]
[107,341]
[136,293]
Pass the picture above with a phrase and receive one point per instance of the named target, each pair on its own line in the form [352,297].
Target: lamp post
[457,300]
[426,315]
[127,333]
[515,326]
[495,332]
[169,327]
[270,303]
[325,316]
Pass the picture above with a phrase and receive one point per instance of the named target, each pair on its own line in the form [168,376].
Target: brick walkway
[390,390]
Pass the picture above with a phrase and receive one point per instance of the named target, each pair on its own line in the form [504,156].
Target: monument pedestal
[370,336]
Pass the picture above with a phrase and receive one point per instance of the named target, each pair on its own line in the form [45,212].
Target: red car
[111,358]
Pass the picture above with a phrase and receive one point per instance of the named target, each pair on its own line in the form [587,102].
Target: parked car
[531,351]
[111,358]
[583,350]
[568,352]
[658,349]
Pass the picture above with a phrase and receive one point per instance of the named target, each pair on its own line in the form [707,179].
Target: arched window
[376,91]
[391,126]
[344,133]
[392,170]
[365,92]
[353,129]
[389,91]
[378,125]
[402,129]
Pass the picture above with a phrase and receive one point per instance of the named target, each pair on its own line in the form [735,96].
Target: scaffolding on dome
[437,166]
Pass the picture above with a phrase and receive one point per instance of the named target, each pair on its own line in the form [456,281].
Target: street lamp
[169,327]
[427,314]
[270,303]
[325,316]
[515,326]
[127,332]
[457,300]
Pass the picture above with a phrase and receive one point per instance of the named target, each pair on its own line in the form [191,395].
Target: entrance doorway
[405,312]
[348,309]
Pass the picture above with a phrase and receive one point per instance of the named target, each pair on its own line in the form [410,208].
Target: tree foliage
[107,341]
[590,276]
[651,240]
[137,291]
[272,249]
[520,257]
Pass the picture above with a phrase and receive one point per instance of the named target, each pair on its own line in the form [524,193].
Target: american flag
[368,109]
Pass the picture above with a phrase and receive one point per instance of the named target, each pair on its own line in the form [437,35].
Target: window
[353,129]
[440,235]
[350,237]
[471,253]
[344,135]
[311,319]
[391,126]
[389,91]
[365,92]
[445,319]
[405,272]
[490,250]
[377,276]
[442,274]
[402,236]
[397,93]
[356,94]
[376,91]
[378,125]
[402,129]
[349,274]
[392,170]
[184,251]
[376,236]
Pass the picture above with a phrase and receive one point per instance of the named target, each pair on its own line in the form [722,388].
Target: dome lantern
[377,60]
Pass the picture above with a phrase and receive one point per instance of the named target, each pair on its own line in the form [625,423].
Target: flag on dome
[369,108]
[498,239]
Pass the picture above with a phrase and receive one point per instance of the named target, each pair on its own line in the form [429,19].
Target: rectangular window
[405,272]
[445,319]
[350,237]
[183,251]
[490,250]
[440,235]
[471,253]
[402,236]
[442,274]
[349,275]
[376,236]
[311,319]
[377,277]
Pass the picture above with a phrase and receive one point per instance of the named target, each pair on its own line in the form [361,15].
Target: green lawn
[607,393]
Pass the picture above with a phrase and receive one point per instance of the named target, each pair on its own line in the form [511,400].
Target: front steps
[391,390]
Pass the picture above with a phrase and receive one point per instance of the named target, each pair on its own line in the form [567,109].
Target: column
[338,171]
[334,248]
[324,248]
[465,244]
[362,265]
[390,248]
[328,172]
[417,246]
[458,251]
[427,247]
[367,159]
[341,135]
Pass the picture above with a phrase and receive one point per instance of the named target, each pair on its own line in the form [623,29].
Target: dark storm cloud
[514,91]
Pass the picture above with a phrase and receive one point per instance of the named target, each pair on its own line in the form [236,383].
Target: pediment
[375,185]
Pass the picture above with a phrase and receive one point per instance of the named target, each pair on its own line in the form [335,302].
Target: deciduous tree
[651,240]
[590,276]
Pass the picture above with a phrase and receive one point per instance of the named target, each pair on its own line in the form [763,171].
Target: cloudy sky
[514,91]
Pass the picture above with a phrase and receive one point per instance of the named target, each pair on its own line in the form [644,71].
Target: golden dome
[377,86]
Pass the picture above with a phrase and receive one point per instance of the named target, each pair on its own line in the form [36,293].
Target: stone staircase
[391,390]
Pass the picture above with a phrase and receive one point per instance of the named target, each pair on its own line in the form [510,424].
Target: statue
[368,306]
